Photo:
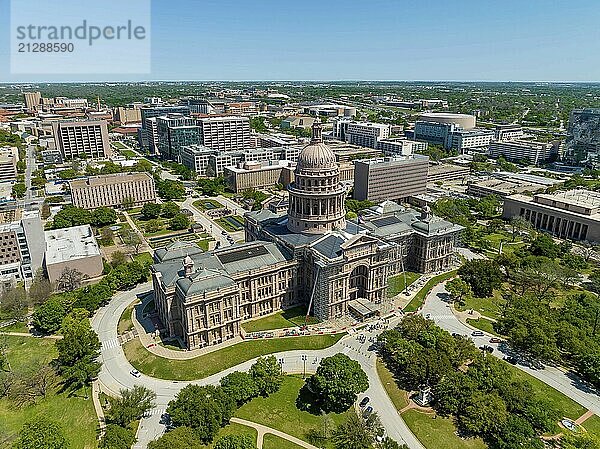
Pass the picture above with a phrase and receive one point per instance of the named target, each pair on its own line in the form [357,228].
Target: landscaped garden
[207,204]
[419,298]
[217,361]
[231,223]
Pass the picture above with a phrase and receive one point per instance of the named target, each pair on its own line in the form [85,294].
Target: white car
[135,373]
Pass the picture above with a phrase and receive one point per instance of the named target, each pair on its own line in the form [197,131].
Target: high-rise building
[113,190]
[390,178]
[88,139]
[583,141]
[174,132]
[149,133]
[32,101]
[400,147]
[225,133]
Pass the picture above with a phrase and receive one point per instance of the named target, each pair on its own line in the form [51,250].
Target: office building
[366,134]
[82,139]
[453,131]
[8,163]
[149,130]
[583,140]
[127,115]
[113,190]
[471,140]
[228,133]
[74,248]
[309,256]
[258,175]
[33,101]
[574,214]
[519,150]
[401,147]
[508,132]
[174,132]
[197,157]
[446,172]
[21,247]
[330,110]
[390,178]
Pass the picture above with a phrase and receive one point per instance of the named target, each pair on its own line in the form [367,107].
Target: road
[115,372]
[211,227]
[565,382]
[30,168]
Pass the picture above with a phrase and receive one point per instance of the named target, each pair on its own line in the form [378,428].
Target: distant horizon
[381,40]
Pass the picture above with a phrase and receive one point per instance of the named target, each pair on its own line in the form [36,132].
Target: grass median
[419,298]
[217,361]
[283,319]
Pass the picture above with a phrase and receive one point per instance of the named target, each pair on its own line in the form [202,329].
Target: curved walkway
[264,429]
[115,372]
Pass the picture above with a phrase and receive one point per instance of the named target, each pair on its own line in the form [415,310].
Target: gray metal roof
[204,280]
[177,250]
[330,246]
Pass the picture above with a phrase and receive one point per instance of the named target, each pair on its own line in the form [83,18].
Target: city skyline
[387,41]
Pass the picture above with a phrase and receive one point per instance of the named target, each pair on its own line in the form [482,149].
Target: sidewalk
[98,408]
[262,430]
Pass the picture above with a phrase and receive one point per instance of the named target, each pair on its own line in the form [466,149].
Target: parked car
[135,373]
[477,334]
[536,364]
[496,340]
[487,348]
[510,359]
[364,401]
[367,412]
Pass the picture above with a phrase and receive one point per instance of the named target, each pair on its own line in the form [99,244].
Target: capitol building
[311,256]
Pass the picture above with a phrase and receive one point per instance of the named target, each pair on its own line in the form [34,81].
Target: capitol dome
[316,155]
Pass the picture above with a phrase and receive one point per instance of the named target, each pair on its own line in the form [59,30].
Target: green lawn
[229,227]
[279,411]
[567,406]
[398,396]
[118,145]
[419,298]
[214,362]
[235,429]
[144,258]
[126,322]
[271,441]
[396,283]
[74,414]
[438,433]
[482,324]
[489,307]
[592,425]
[280,320]
[19,326]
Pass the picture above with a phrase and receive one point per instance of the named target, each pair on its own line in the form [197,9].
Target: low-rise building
[113,190]
[297,121]
[446,172]
[8,163]
[75,248]
[390,178]
[508,132]
[504,184]
[574,214]
[518,150]
[471,140]
[258,175]
[367,134]
[401,147]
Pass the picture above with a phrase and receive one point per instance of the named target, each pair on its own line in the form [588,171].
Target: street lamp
[281,364]
[304,371]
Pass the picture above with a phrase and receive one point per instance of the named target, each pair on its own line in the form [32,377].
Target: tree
[41,433]
[18,190]
[484,414]
[131,405]
[543,245]
[91,297]
[235,442]
[169,189]
[201,408]
[153,226]
[518,224]
[40,289]
[128,203]
[70,279]
[179,438]
[337,382]
[179,222]
[78,350]
[47,318]
[482,275]
[240,386]
[580,440]
[70,216]
[13,303]
[117,437]
[266,374]
[588,249]
[458,289]
[103,216]
[170,209]
[151,210]
[132,239]
[352,434]
[388,443]
[118,258]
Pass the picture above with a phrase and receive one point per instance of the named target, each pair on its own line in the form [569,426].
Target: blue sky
[506,40]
